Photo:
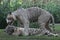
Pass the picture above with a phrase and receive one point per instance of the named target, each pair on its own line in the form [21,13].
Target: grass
[57,27]
[4,36]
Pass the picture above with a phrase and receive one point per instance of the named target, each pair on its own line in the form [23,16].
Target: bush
[54,10]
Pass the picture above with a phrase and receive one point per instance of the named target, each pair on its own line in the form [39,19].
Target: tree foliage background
[53,6]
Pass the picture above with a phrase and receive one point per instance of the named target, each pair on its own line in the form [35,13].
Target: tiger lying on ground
[12,30]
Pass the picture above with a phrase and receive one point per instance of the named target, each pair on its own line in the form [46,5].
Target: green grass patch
[57,27]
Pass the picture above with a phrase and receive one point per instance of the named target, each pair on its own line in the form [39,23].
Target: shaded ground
[4,36]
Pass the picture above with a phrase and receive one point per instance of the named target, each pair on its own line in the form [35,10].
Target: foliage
[53,8]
